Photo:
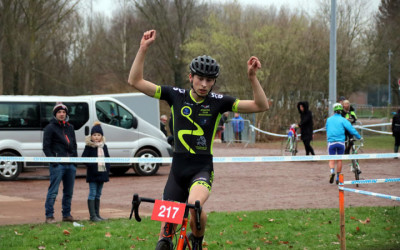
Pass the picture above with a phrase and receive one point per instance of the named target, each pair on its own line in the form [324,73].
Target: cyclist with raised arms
[195,113]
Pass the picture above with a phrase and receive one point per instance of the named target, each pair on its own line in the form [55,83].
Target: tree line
[59,47]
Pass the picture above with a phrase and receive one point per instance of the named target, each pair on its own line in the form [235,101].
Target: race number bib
[168,211]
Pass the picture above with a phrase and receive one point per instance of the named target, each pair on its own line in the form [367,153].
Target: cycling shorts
[336,148]
[186,172]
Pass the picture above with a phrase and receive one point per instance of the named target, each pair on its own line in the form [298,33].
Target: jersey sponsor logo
[188,103]
[182,91]
[186,111]
[217,96]
[201,141]
[203,121]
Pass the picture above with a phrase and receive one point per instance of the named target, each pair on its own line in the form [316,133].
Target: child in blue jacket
[97,173]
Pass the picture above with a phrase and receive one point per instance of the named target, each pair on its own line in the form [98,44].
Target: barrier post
[342,219]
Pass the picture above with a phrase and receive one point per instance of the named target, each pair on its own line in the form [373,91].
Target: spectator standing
[163,123]
[224,119]
[396,131]
[306,125]
[59,141]
[336,126]
[238,126]
[96,173]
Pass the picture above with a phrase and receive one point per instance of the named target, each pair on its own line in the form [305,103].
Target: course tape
[372,181]
[216,159]
[364,127]
[385,196]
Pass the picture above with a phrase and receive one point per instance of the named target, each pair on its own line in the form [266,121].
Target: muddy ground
[237,187]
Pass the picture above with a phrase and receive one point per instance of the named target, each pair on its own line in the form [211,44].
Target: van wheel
[146,168]
[118,170]
[9,170]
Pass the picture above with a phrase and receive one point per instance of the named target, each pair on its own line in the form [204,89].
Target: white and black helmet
[205,66]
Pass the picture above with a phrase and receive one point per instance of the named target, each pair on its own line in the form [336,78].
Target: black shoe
[197,243]
[337,181]
[331,178]
[165,244]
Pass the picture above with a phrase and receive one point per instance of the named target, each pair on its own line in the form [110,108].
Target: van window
[78,113]
[19,115]
[111,113]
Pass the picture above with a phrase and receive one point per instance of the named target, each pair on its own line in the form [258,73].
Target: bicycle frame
[355,164]
[136,201]
[291,145]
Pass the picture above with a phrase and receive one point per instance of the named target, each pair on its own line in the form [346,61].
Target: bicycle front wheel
[294,147]
[285,148]
[356,170]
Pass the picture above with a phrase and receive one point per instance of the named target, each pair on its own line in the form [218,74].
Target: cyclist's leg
[201,193]
[199,190]
[340,151]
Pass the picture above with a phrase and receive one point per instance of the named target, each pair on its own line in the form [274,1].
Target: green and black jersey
[195,123]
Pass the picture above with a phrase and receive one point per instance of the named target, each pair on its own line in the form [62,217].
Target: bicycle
[289,146]
[355,165]
[170,212]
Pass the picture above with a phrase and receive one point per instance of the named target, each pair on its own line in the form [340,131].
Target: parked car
[23,118]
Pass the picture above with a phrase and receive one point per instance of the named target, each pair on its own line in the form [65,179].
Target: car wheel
[146,168]
[9,170]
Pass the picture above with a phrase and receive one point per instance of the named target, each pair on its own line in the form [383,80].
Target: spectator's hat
[59,106]
[96,128]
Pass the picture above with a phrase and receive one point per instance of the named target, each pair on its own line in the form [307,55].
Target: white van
[23,118]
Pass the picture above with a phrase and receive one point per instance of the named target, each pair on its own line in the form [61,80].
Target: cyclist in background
[196,113]
[336,126]
[348,113]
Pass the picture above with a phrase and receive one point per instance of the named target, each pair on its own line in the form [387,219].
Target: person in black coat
[396,131]
[97,173]
[306,126]
[59,141]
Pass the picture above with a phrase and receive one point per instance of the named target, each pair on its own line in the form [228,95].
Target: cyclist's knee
[198,193]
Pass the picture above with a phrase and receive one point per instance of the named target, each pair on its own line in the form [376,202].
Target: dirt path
[237,187]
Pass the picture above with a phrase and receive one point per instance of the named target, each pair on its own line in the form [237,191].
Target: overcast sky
[108,6]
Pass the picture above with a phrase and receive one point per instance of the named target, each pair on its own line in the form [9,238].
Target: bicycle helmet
[337,107]
[205,66]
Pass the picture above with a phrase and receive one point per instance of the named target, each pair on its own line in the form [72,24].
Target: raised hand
[148,38]
[253,64]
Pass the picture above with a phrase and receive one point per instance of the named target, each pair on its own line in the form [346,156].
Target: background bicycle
[355,164]
[289,145]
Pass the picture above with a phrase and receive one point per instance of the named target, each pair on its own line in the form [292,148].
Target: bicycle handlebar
[361,141]
[137,200]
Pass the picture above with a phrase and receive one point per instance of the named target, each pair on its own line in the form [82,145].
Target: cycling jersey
[195,123]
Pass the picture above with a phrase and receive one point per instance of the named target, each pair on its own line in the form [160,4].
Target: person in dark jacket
[396,131]
[97,173]
[306,126]
[59,141]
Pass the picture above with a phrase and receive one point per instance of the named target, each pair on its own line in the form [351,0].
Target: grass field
[366,228]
